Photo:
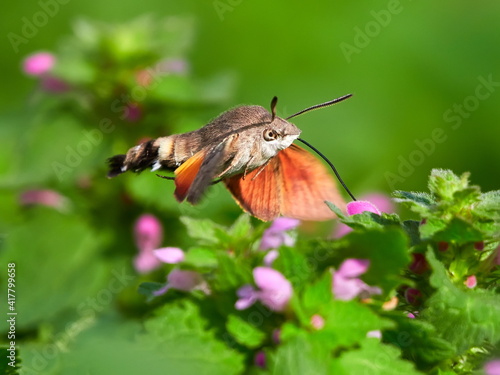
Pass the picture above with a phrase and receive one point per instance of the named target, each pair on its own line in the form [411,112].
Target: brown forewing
[294,184]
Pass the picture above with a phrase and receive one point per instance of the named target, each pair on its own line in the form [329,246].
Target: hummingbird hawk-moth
[251,151]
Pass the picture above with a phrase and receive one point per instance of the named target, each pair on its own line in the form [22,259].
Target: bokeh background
[426,83]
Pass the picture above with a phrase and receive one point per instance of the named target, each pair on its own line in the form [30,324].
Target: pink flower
[148,232]
[410,315]
[276,235]
[492,367]
[373,202]
[270,257]
[133,112]
[471,282]
[148,235]
[317,321]
[347,285]
[145,262]
[274,290]
[181,280]
[260,359]
[170,255]
[44,197]
[358,207]
[38,63]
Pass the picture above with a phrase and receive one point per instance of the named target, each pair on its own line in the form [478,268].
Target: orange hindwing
[294,184]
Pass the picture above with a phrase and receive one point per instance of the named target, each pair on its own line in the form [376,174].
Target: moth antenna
[318,106]
[274,101]
[330,164]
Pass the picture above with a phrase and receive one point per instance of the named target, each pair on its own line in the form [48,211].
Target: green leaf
[430,227]
[489,205]
[474,311]
[241,228]
[203,230]
[418,341]
[231,273]
[420,203]
[58,267]
[337,211]
[374,358]
[301,354]
[458,231]
[348,322]
[244,332]
[148,288]
[200,258]
[444,183]
[187,342]
[412,229]
[294,266]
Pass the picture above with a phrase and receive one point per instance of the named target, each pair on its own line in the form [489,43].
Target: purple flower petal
[346,289]
[271,240]
[270,257]
[282,224]
[244,303]
[38,63]
[184,280]
[170,255]
[145,262]
[492,367]
[148,233]
[346,285]
[353,267]
[247,295]
[357,207]
[276,235]
[341,230]
[44,197]
[275,290]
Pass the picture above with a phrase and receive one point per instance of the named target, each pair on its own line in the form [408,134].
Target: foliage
[85,309]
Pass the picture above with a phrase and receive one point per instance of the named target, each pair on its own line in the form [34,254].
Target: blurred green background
[418,70]
[422,62]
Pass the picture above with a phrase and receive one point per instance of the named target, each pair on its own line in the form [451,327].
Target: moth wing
[186,174]
[196,174]
[258,194]
[294,184]
[305,186]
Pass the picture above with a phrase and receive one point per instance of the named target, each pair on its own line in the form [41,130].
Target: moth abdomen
[137,159]
[115,165]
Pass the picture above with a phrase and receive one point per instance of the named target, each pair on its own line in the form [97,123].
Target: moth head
[279,133]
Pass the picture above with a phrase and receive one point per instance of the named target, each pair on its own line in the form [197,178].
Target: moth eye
[270,135]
